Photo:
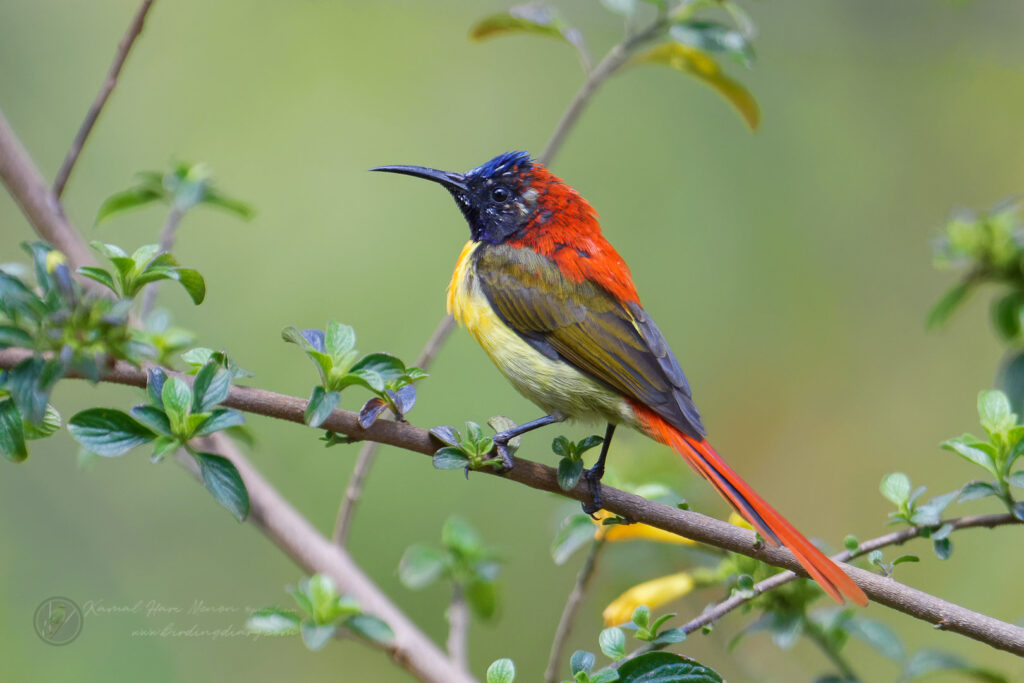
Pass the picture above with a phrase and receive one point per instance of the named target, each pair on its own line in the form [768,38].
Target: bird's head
[499,198]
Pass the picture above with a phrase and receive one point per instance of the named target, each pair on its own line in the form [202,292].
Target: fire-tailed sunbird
[554,306]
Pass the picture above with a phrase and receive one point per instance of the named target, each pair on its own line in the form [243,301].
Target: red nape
[565,230]
[772,526]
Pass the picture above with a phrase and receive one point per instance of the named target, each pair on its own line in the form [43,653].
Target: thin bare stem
[368,452]
[123,48]
[608,65]
[458,629]
[883,590]
[572,606]
[818,637]
[41,207]
[167,236]
[891,539]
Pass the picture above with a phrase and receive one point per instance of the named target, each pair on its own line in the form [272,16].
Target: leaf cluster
[570,466]
[182,187]
[462,560]
[175,414]
[146,265]
[323,615]
[472,451]
[333,353]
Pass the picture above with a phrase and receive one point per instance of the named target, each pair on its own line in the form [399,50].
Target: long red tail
[772,526]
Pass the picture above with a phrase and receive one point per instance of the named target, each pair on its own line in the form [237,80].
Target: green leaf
[581,660]
[129,199]
[946,306]
[323,596]
[876,635]
[971,454]
[12,432]
[371,628]
[315,637]
[712,36]
[975,490]
[931,512]
[447,435]
[193,283]
[163,446]
[383,364]
[501,671]
[420,566]
[561,446]
[569,472]
[507,22]
[1006,315]
[144,254]
[905,558]
[321,404]
[607,675]
[100,275]
[896,488]
[292,334]
[1016,479]
[576,531]
[108,432]
[153,418]
[925,662]
[702,66]
[222,480]
[273,622]
[339,340]
[672,635]
[585,444]
[482,597]
[221,418]
[14,336]
[364,378]
[450,458]
[458,536]
[211,387]
[215,198]
[155,380]
[666,667]
[613,643]
[943,548]
[45,427]
[177,400]
[642,616]
[995,413]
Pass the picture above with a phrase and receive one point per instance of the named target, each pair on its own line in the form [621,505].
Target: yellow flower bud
[654,594]
[631,532]
[53,259]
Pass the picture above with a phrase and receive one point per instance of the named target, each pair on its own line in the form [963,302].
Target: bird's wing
[585,326]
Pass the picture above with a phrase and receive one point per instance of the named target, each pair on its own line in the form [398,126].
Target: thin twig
[572,605]
[608,65]
[894,538]
[458,629]
[123,48]
[167,236]
[26,185]
[368,452]
[883,590]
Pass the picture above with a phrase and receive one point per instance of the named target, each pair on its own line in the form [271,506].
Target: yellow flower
[736,520]
[631,532]
[53,259]
[654,594]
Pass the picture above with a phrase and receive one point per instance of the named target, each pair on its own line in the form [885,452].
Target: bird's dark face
[496,198]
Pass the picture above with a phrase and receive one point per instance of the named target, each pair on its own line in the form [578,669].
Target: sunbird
[554,306]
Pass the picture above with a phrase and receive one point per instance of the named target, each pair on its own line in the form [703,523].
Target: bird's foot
[507,463]
[593,477]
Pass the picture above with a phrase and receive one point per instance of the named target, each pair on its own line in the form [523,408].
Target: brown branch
[41,207]
[123,48]
[572,606]
[458,628]
[368,452]
[883,590]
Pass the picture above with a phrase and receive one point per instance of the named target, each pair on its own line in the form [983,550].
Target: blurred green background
[790,270]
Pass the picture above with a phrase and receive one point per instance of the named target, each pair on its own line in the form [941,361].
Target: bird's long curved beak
[453,181]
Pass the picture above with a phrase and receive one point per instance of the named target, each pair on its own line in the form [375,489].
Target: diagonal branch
[883,590]
[123,48]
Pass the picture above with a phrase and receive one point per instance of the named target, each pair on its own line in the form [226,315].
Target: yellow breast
[555,386]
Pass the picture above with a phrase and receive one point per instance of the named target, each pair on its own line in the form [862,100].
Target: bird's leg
[595,473]
[501,439]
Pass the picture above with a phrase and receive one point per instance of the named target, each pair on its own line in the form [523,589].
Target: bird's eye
[500,194]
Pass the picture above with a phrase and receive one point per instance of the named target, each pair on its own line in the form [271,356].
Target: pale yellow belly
[555,386]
